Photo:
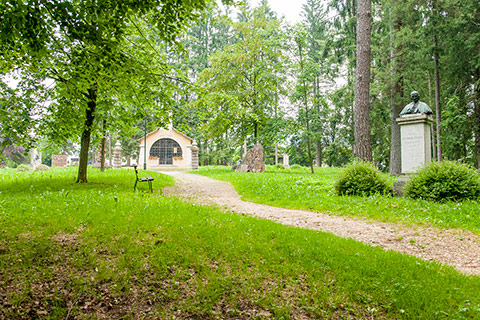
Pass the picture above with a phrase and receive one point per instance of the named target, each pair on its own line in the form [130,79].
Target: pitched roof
[172,129]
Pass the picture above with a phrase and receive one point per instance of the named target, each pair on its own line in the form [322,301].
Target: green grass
[100,250]
[299,189]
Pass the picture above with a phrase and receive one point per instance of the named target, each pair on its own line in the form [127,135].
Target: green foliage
[446,180]
[24,167]
[279,166]
[103,242]
[296,166]
[363,179]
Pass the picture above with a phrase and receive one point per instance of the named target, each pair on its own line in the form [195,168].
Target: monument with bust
[416,106]
[415,134]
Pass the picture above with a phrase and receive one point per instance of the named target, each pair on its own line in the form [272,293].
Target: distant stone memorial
[253,161]
[286,163]
[59,160]
[35,158]
[415,133]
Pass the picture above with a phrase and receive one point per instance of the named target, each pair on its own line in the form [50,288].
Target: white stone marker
[416,142]
[286,163]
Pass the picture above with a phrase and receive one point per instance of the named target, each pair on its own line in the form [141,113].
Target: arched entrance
[165,150]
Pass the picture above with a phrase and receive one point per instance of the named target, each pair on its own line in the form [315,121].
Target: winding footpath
[457,248]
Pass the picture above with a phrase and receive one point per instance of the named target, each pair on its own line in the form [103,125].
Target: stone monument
[117,156]
[415,134]
[286,163]
[35,158]
[59,160]
[253,161]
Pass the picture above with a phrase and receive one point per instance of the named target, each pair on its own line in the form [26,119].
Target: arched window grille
[165,150]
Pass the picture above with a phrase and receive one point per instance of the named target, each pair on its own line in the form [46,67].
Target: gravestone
[416,142]
[117,156]
[286,163]
[59,160]
[253,161]
[35,158]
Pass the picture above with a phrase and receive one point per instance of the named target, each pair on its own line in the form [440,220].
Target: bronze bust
[416,106]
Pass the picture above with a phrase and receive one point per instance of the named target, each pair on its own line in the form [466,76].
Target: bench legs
[150,185]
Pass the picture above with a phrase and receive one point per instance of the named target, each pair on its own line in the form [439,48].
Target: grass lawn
[299,189]
[99,250]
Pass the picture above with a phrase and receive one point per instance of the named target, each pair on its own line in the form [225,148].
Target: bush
[42,167]
[363,179]
[296,166]
[279,166]
[445,180]
[24,167]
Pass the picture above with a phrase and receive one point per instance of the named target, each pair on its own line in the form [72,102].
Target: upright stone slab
[35,157]
[416,141]
[253,161]
[117,156]
[59,160]
[286,162]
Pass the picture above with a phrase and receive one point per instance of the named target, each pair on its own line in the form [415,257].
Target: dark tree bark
[396,95]
[476,104]
[438,111]
[318,153]
[307,115]
[361,100]
[87,130]
[102,147]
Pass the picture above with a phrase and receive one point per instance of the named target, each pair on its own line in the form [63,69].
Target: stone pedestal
[416,141]
[117,156]
[194,150]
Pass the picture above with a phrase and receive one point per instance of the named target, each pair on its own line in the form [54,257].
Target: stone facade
[176,143]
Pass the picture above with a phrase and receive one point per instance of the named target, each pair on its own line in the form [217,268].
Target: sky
[289,8]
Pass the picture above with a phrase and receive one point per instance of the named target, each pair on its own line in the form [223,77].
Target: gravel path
[460,249]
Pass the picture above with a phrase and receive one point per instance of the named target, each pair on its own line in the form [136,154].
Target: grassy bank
[100,250]
[299,189]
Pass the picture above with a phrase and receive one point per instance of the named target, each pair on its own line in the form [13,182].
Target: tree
[81,45]
[362,82]
[242,82]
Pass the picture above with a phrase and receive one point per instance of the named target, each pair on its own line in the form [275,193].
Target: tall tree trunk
[476,103]
[396,94]
[318,153]
[102,146]
[362,82]
[87,130]
[307,119]
[276,153]
[438,111]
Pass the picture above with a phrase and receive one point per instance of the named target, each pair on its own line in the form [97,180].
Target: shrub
[42,167]
[446,180]
[279,166]
[24,167]
[363,179]
[296,166]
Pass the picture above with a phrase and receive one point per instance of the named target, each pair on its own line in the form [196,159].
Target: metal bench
[142,179]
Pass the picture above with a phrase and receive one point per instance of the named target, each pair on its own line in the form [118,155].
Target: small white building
[166,148]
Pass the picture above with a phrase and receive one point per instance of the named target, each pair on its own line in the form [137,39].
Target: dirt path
[457,248]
